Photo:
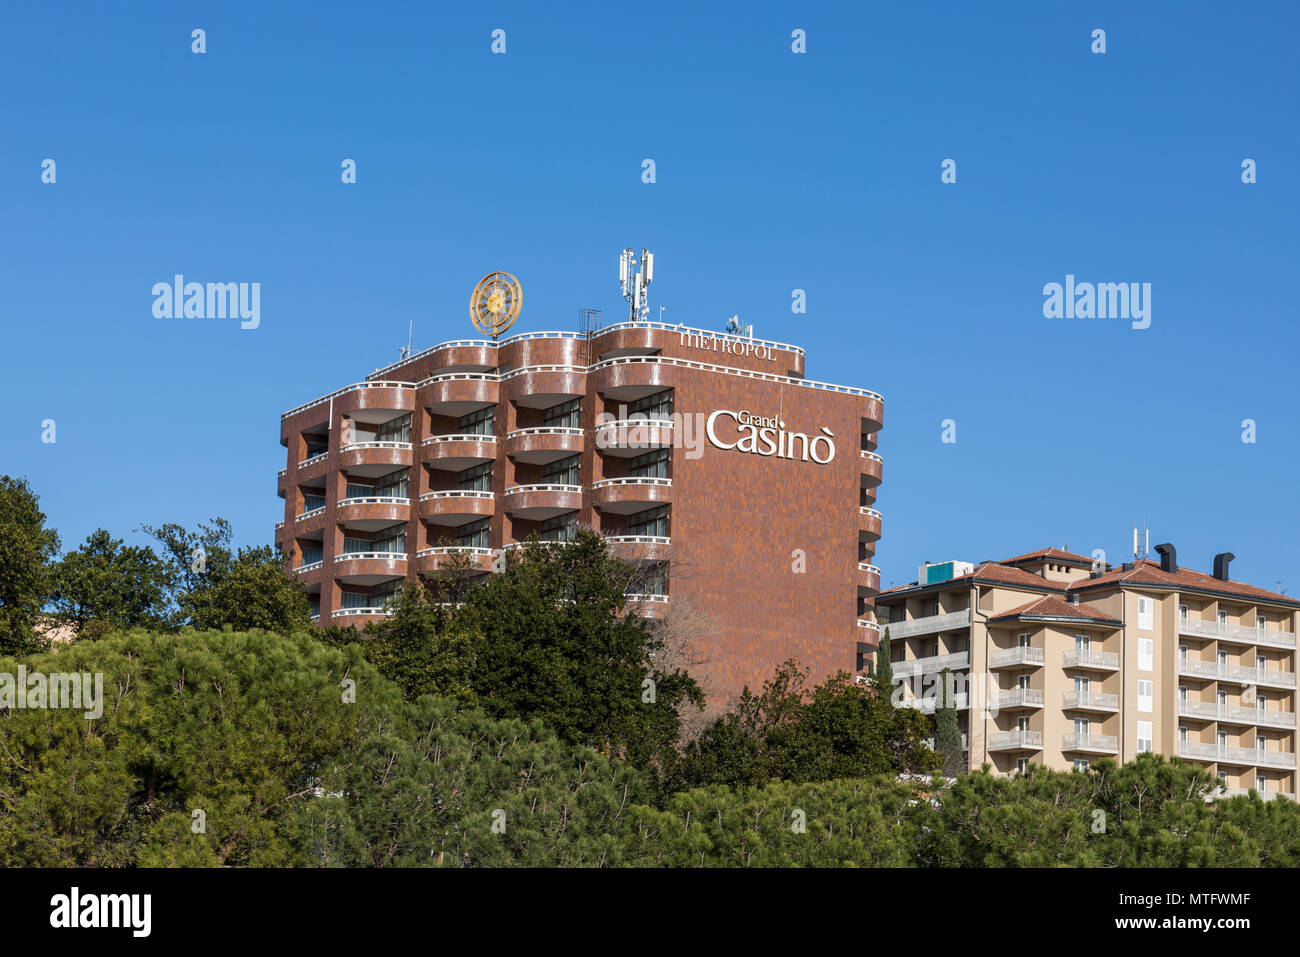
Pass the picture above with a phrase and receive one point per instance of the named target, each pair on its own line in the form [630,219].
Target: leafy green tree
[947,732]
[106,585]
[194,559]
[26,549]
[252,592]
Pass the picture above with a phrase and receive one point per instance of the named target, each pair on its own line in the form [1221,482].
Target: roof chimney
[1168,558]
[1074,598]
[1221,565]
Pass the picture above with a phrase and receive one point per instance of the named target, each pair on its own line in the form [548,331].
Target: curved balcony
[456,506]
[436,557]
[459,393]
[869,630]
[312,471]
[635,436]
[371,513]
[872,468]
[309,521]
[359,617]
[540,502]
[632,377]
[369,568]
[868,524]
[646,606]
[640,548]
[635,493]
[544,444]
[374,458]
[465,355]
[873,414]
[868,579]
[542,386]
[279,483]
[455,453]
[380,395]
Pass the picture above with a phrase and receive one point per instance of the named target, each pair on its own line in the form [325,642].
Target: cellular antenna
[635,284]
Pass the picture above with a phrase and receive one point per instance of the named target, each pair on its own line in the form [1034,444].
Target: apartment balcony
[626,378]
[374,458]
[369,568]
[640,548]
[1090,701]
[625,438]
[633,493]
[373,512]
[965,742]
[474,355]
[308,567]
[1090,743]
[869,521]
[279,482]
[1090,660]
[1017,699]
[869,630]
[390,399]
[544,386]
[868,581]
[460,393]
[309,521]
[1263,795]
[313,469]
[1235,714]
[1018,657]
[436,557]
[546,444]
[1254,757]
[540,502]
[932,624]
[930,664]
[359,617]
[1237,634]
[1239,674]
[456,506]
[872,466]
[927,704]
[455,453]
[1016,741]
[646,606]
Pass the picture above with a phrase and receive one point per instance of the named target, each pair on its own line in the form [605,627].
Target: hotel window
[476,479]
[657,406]
[315,606]
[1144,736]
[312,502]
[562,528]
[1261,743]
[652,522]
[393,540]
[1023,640]
[561,471]
[392,485]
[474,534]
[651,580]
[352,546]
[482,422]
[395,430]
[1259,623]
[651,465]
[1146,614]
[1022,765]
[1146,690]
[1081,727]
[566,415]
[1261,784]
[311,554]
[1081,764]
[352,599]
[1223,622]
[357,490]
[382,595]
[1146,654]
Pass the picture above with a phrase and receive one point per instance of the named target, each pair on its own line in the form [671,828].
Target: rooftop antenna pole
[635,285]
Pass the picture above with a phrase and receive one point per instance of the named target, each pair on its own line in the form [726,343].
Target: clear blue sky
[775,171]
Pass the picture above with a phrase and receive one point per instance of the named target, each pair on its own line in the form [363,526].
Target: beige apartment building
[1060,661]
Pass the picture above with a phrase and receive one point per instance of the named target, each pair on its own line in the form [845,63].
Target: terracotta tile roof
[1050,553]
[1147,572]
[1049,606]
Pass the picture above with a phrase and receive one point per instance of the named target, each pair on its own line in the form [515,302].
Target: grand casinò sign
[757,435]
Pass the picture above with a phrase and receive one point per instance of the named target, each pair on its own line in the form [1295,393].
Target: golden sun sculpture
[496,303]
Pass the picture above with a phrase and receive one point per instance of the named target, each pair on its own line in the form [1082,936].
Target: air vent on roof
[1168,557]
[1127,567]
[1221,561]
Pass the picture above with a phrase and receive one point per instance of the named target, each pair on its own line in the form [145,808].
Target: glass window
[562,528]
[1144,736]
[352,599]
[1146,654]
[392,485]
[482,422]
[651,465]
[476,479]
[392,540]
[651,580]
[653,521]
[474,534]
[657,406]
[566,415]
[561,471]
[312,502]
[1146,613]
[311,554]
[395,430]
[1146,691]
[356,490]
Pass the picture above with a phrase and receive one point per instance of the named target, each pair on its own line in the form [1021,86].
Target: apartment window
[1223,741]
[566,415]
[395,430]
[1144,736]
[1146,614]
[1082,643]
[562,528]
[353,599]
[312,502]
[651,465]
[1146,654]
[392,540]
[357,490]
[657,406]
[1182,616]
[1259,702]
[382,595]
[934,608]
[1023,682]
[1182,694]
[1146,691]
[1023,641]
[1261,744]
[476,479]
[1182,735]
[1081,686]
[1022,724]
[1261,784]
[315,605]
[651,580]
[1223,702]
[1223,778]
[1182,653]
[482,422]
[392,485]
[653,521]
[352,546]
[311,554]
[1081,727]
[1261,663]
[474,534]
[1223,660]
[561,471]
[1081,764]
[1223,622]
[1022,765]
[1259,623]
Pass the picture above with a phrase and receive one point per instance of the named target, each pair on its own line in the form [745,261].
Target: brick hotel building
[1060,663]
[747,490]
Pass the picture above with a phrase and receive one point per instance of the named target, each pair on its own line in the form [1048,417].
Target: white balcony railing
[455,493]
[1249,757]
[1242,634]
[373,500]
[350,612]
[1081,658]
[1017,698]
[930,664]
[1238,673]
[631,480]
[1016,741]
[360,556]
[927,625]
[1090,700]
[459,437]
[361,446]
[1020,655]
[1104,743]
[1210,711]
